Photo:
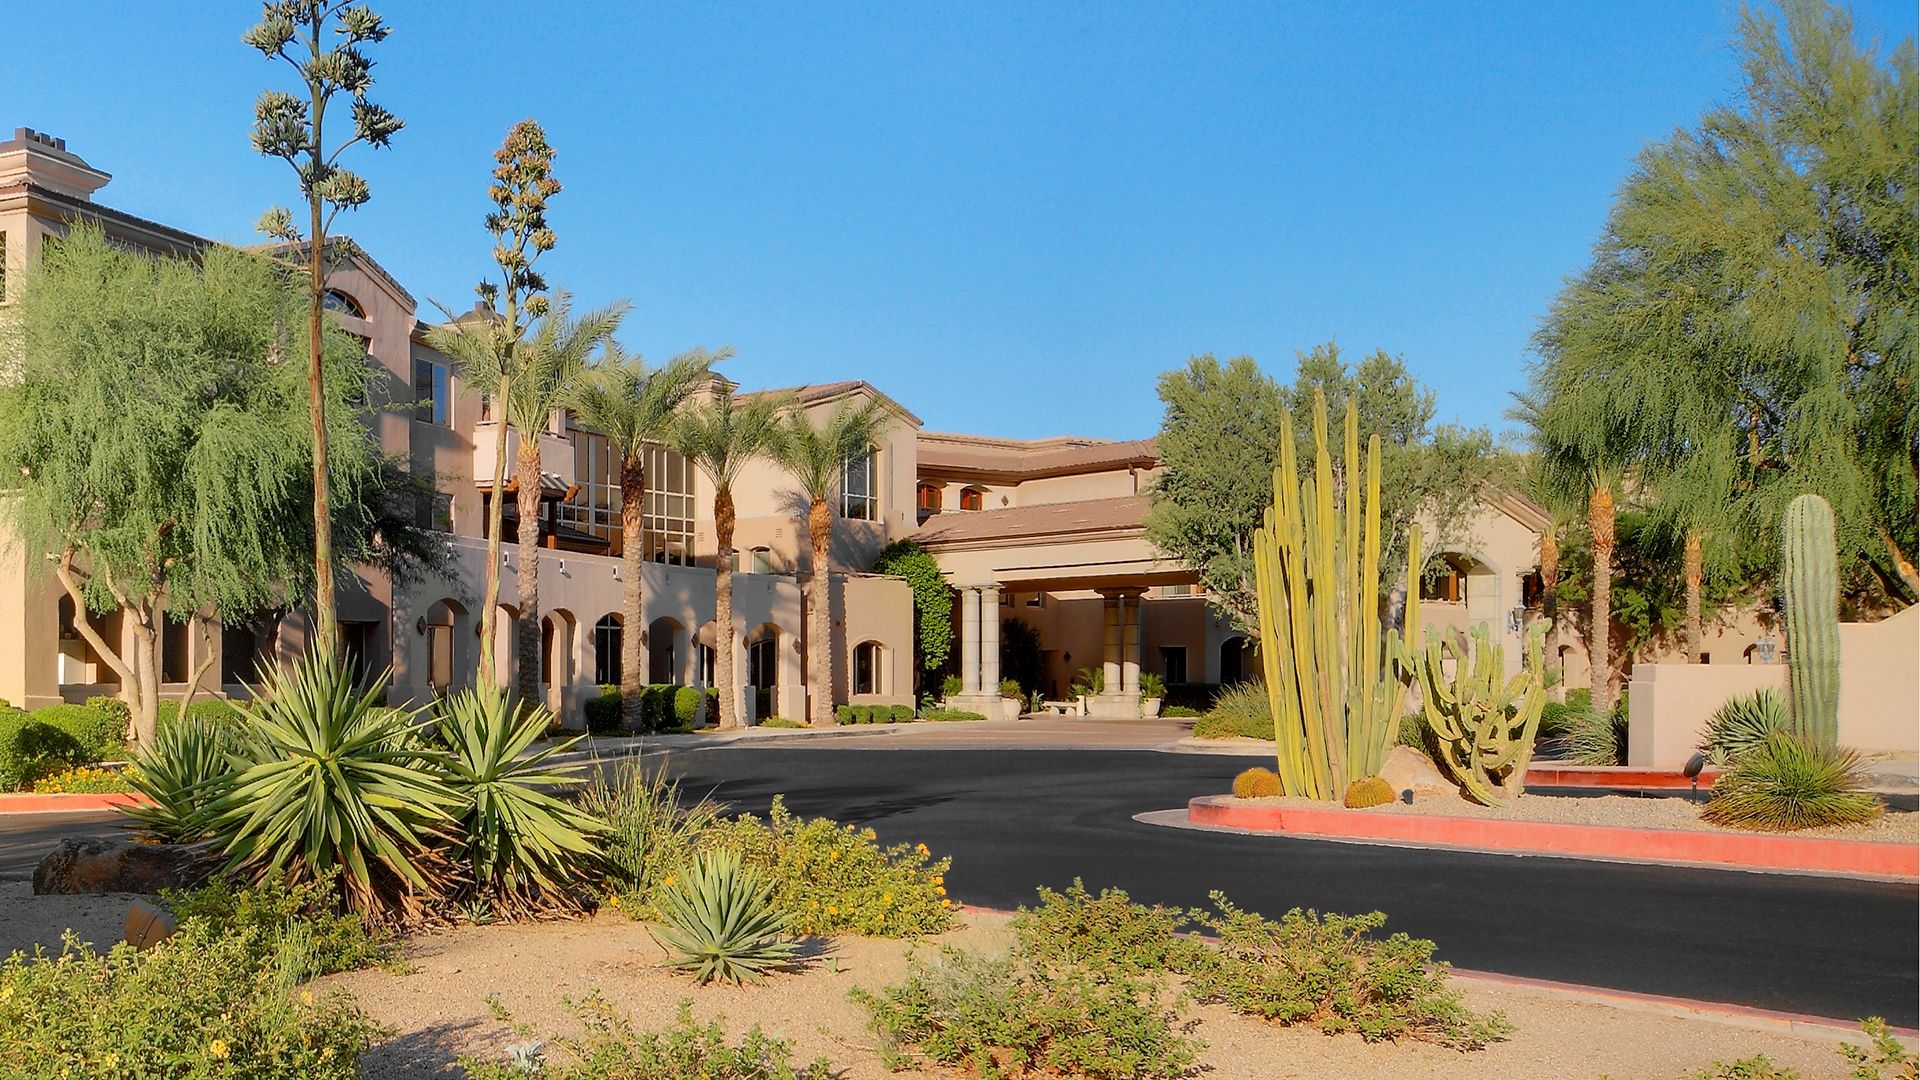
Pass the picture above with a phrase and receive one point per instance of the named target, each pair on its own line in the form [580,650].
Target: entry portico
[1094,547]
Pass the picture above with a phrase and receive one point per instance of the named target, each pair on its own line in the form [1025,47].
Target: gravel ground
[27,920]
[440,1009]
[1899,827]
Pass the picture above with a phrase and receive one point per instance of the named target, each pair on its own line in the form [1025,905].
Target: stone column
[969,640]
[1130,637]
[1110,660]
[989,639]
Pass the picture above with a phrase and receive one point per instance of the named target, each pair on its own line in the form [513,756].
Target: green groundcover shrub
[608,1047]
[200,1004]
[58,737]
[1883,1058]
[873,714]
[298,920]
[665,708]
[947,715]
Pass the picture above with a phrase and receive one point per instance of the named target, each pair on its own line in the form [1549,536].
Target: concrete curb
[1720,850]
[33,802]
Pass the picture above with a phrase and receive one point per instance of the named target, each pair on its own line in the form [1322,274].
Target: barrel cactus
[1810,582]
[1256,783]
[1368,791]
[1482,721]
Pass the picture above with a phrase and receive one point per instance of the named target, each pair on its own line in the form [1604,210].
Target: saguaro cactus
[1332,682]
[1810,573]
[1483,722]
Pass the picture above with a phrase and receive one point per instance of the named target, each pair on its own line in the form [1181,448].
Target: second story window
[336,301]
[432,393]
[973,499]
[858,499]
[926,498]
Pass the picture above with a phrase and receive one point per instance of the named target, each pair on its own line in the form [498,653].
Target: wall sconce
[1514,618]
[616,571]
[420,626]
[563,569]
[1767,647]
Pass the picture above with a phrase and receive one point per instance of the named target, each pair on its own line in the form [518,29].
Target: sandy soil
[1900,827]
[440,1009]
[27,920]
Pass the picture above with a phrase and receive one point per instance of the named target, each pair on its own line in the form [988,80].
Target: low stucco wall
[1669,704]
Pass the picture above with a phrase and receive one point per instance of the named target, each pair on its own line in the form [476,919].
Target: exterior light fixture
[1767,647]
[1514,618]
[1692,769]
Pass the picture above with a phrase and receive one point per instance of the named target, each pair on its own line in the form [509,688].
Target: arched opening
[760,560]
[927,498]
[442,621]
[1233,656]
[340,303]
[556,655]
[606,650]
[763,670]
[1445,579]
[869,668]
[705,657]
[973,498]
[78,663]
[666,651]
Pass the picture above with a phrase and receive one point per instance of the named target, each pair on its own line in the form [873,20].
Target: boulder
[101,865]
[1407,769]
[149,924]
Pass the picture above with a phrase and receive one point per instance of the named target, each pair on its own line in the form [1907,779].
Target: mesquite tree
[485,344]
[294,129]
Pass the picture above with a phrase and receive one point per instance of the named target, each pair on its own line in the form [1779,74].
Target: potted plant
[1153,689]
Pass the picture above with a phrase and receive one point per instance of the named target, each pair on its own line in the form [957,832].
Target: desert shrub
[1256,783]
[1368,791]
[1180,711]
[837,879]
[525,848]
[31,748]
[1241,712]
[1757,1067]
[1787,783]
[181,771]
[1109,932]
[1594,739]
[101,732]
[603,711]
[950,714]
[901,714]
[1555,718]
[1883,1052]
[201,1004]
[689,707]
[1743,723]
[1089,681]
[657,705]
[781,722]
[1009,1017]
[648,831]
[217,711]
[608,1048]
[843,714]
[84,780]
[719,922]
[117,716]
[1330,971]
[269,913]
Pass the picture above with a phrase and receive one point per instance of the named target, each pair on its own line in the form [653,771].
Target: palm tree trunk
[633,525]
[819,601]
[1600,521]
[1693,574]
[527,630]
[496,525]
[326,626]
[723,633]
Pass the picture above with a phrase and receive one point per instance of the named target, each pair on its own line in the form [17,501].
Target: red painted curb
[1753,851]
[1615,776]
[34,802]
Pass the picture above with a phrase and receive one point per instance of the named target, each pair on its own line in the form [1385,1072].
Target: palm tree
[546,373]
[720,436]
[634,407]
[816,456]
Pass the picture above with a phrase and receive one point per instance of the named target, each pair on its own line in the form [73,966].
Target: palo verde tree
[932,605]
[817,456]
[293,128]
[156,446]
[1219,442]
[485,343]
[635,406]
[720,435]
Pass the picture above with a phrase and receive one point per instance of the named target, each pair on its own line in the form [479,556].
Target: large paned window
[859,500]
[432,393]
[667,508]
[594,508]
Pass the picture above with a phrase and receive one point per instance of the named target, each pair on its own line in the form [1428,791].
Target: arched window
[1445,580]
[336,301]
[926,498]
[760,560]
[972,499]
[606,651]
[866,668]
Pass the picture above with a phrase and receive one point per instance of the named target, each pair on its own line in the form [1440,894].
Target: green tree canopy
[157,443]
[1219,442]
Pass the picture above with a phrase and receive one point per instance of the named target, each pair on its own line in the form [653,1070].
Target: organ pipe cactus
[1810,573]
[1482,721]
[1332,673]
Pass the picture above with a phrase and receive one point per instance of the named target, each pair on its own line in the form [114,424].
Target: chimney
[43,160]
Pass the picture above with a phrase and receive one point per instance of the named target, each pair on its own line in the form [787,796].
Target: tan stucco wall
[879,609]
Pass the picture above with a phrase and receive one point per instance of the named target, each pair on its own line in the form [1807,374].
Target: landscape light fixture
[1692,769]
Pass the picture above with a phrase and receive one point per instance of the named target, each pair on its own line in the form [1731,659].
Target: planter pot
[1150,706]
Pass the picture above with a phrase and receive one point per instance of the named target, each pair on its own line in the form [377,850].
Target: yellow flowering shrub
[838,879]
[84,779]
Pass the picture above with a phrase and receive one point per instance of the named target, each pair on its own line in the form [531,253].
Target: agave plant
[1743,723]
[181,771]
[720,921]
[338,781]
[524,845]
[1788,783]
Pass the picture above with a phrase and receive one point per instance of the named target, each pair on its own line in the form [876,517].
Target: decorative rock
[1407,769]
[148,925]
[103,866]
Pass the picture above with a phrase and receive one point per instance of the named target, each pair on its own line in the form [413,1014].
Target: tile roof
[809,393]
[1059,519]
[1019,459]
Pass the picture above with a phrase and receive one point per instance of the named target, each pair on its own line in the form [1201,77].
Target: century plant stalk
[294,130]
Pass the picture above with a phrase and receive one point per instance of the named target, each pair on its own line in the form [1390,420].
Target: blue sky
[1010,217]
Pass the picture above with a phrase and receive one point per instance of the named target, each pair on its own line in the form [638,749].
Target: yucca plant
[339,780]
[525,847]
[1788,783]
[185,767]
[1743,723]
[720,922]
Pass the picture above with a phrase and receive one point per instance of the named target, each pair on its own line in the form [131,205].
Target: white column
[1110,660]
[969,640]
[1130,626]
[990,639]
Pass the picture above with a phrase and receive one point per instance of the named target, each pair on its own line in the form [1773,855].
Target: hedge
[664,707]
[950,714]
[31,748]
